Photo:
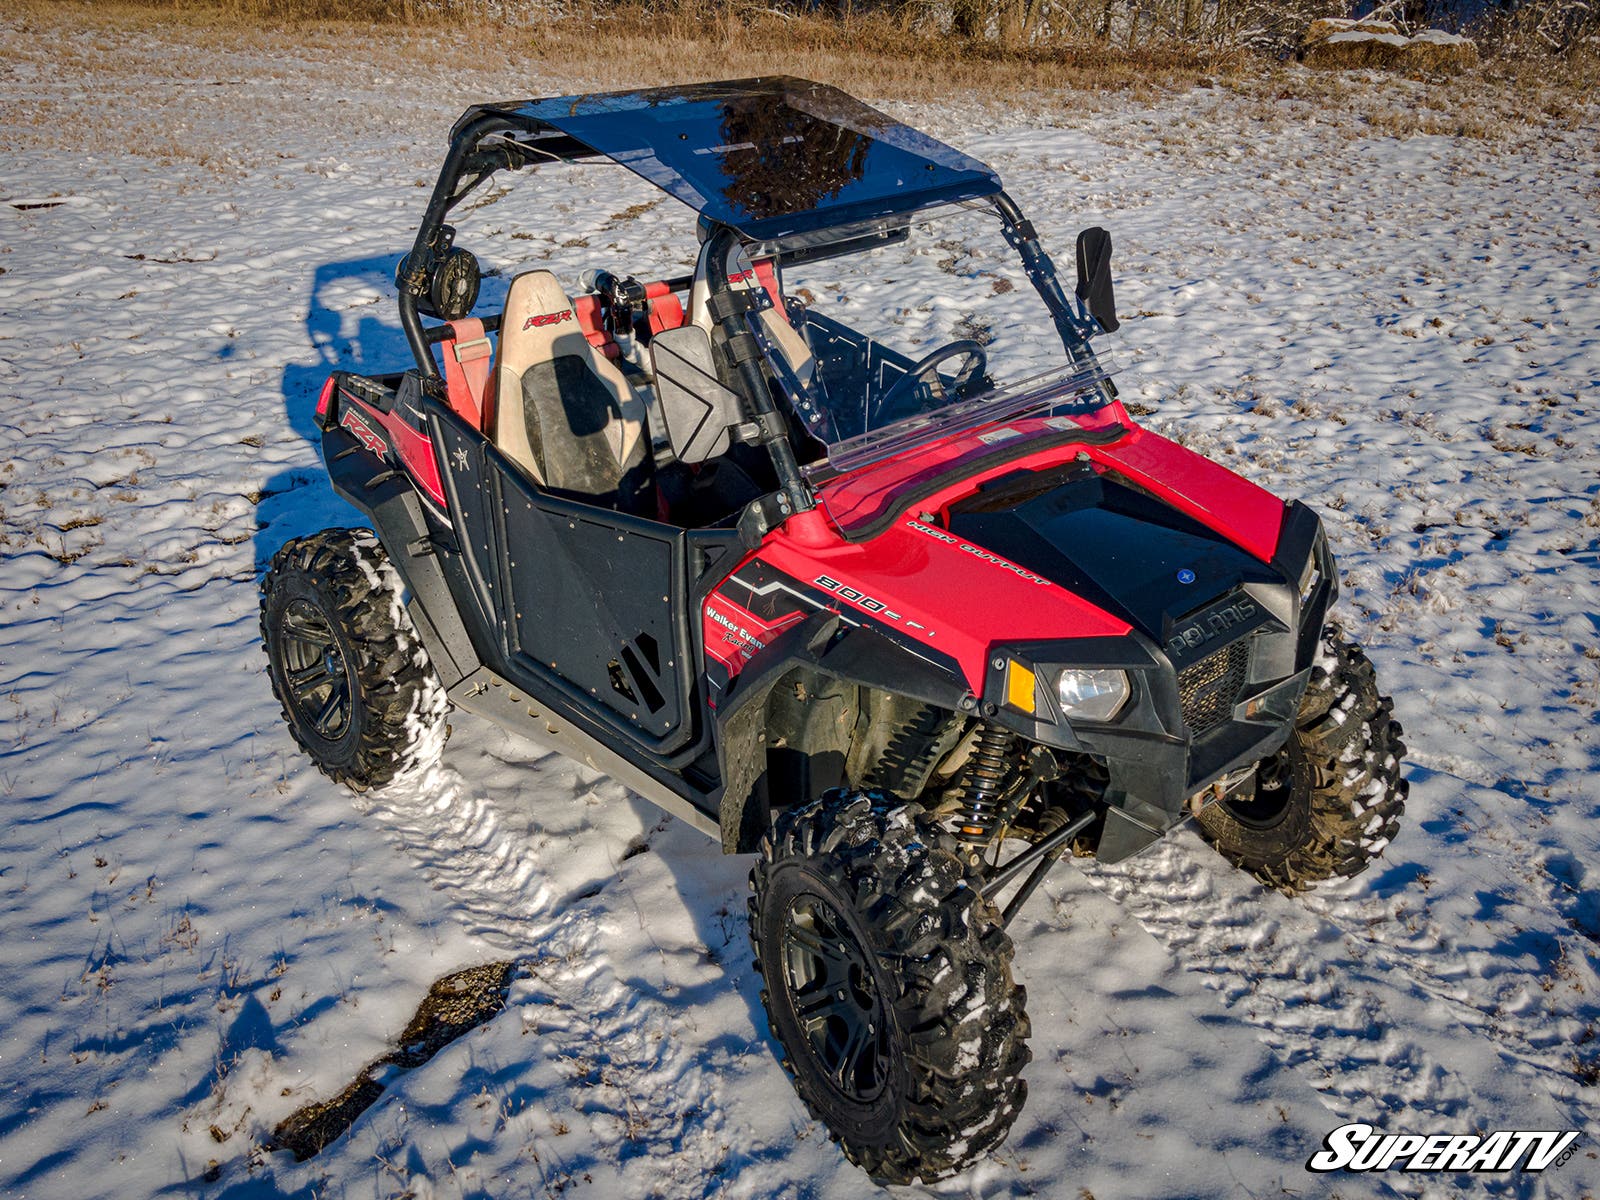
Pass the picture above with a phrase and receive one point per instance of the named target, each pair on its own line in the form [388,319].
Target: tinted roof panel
[770,157]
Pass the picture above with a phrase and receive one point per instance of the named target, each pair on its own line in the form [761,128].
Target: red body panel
[938,590]
[950,595]
[1249,516]
[413,450]
[733,634]
[325,398]
[1245,514]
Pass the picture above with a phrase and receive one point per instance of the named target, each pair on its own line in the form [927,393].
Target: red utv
[840,546]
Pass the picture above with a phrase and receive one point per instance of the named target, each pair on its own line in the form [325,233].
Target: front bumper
[1219,694]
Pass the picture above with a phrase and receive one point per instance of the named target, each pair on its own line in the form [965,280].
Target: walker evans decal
[737,636]
[1358,1147]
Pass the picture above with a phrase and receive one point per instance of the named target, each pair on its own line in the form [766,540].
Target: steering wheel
[976,365]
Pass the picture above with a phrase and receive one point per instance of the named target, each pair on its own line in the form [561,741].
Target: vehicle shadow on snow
[714,887]
[343,332]
[351,324]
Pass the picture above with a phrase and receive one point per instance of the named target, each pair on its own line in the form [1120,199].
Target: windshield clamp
[722,305]
[742,348]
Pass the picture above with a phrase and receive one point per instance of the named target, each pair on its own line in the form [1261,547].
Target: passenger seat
[564,412]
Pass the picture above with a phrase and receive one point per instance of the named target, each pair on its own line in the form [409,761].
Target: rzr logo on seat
[539,320]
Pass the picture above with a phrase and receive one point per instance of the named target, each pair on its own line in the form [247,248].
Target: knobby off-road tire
[1330,802]
[887,980]
[357,689]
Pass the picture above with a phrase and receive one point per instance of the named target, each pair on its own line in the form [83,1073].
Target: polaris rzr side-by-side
[839,545]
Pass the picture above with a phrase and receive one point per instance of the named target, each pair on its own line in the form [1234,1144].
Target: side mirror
[1094,277]
[698,411]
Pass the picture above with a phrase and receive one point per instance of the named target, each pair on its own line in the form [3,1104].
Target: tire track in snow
[460,840]
[618,1050]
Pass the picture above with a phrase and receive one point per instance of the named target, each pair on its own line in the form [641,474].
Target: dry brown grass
[873,56]
[223,83]
[1497,101]
[1390,53]
[630,46]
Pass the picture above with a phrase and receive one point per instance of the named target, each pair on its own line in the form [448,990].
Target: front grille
[1207,689]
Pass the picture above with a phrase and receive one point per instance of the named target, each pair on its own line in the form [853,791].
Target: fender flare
[826,645]
[389,501]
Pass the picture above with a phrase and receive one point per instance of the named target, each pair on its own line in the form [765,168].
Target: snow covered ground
[202,934]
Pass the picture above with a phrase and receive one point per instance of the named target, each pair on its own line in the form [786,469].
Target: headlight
[1092,695]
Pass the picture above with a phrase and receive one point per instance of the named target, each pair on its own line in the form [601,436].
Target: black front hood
[1118,547]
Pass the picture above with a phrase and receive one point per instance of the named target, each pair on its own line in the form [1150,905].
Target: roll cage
[776,167]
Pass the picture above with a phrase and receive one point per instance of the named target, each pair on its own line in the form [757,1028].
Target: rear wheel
[887,980]
[358,692]
[1330,801]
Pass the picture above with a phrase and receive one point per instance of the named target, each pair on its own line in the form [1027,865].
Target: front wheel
[887,980]
[1330,801]
[358,692]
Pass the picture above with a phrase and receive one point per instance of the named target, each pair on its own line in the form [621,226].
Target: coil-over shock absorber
[987,772]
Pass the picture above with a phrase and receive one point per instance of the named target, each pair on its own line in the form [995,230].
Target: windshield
[925,333]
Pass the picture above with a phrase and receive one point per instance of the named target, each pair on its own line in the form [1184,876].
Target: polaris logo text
[1358,1147]
[1211,625]
[540,320]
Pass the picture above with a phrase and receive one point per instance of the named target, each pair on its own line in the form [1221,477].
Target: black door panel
[586,604]
[591,592]
[468,486]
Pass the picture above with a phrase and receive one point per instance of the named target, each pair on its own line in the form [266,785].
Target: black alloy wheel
[320,683]
[834,992]
[1329,803]
[1282,783]
[358,692]
[887,982]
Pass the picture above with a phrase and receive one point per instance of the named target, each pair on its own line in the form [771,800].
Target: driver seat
[565,413]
